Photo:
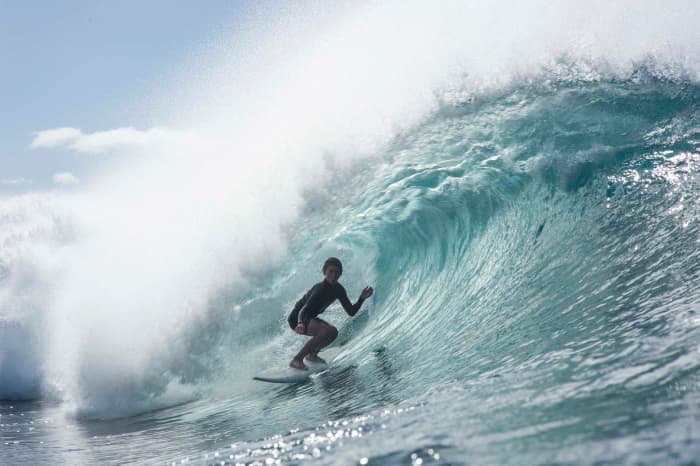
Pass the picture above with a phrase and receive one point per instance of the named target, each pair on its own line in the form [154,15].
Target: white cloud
[65,178]
[55,137]
[100,141]
[15,181]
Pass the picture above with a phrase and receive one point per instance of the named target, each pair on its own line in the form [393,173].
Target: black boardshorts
[292,320]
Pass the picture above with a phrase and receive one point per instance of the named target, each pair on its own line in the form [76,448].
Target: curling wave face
[535,253]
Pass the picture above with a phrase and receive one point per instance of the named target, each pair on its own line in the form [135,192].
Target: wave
[495,199]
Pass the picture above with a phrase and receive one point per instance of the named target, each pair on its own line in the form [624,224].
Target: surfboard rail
[291,375]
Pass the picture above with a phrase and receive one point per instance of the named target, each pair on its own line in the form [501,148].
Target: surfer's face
[332,273]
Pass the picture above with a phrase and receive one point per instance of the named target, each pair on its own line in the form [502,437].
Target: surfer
[304,317]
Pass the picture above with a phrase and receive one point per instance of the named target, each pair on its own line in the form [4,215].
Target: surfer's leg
[322,335]
[331,333]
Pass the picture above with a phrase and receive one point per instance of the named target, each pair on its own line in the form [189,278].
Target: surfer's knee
[332,332]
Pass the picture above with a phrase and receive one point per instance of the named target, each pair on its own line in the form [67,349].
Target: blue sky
[89,65]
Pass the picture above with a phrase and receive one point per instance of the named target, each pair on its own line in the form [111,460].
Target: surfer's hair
[333,261]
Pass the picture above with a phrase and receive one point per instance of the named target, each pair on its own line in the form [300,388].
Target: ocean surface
[532,234]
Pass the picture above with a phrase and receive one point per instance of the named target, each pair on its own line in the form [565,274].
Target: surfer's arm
[351,309]
[312,303]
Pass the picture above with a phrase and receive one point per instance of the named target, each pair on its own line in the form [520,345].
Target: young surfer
[304,317]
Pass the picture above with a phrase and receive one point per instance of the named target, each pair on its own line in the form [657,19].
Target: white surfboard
[291,375]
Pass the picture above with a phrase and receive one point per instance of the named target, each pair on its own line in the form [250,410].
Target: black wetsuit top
[317,299]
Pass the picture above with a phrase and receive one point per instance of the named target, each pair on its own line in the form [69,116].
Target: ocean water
[519,184]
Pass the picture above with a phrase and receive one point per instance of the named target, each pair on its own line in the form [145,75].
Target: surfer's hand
[300,329]
[367,292]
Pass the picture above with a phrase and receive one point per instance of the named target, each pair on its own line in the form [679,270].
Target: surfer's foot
[315,358]
[298,364]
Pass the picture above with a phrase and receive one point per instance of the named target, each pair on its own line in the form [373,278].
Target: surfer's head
[332,269]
